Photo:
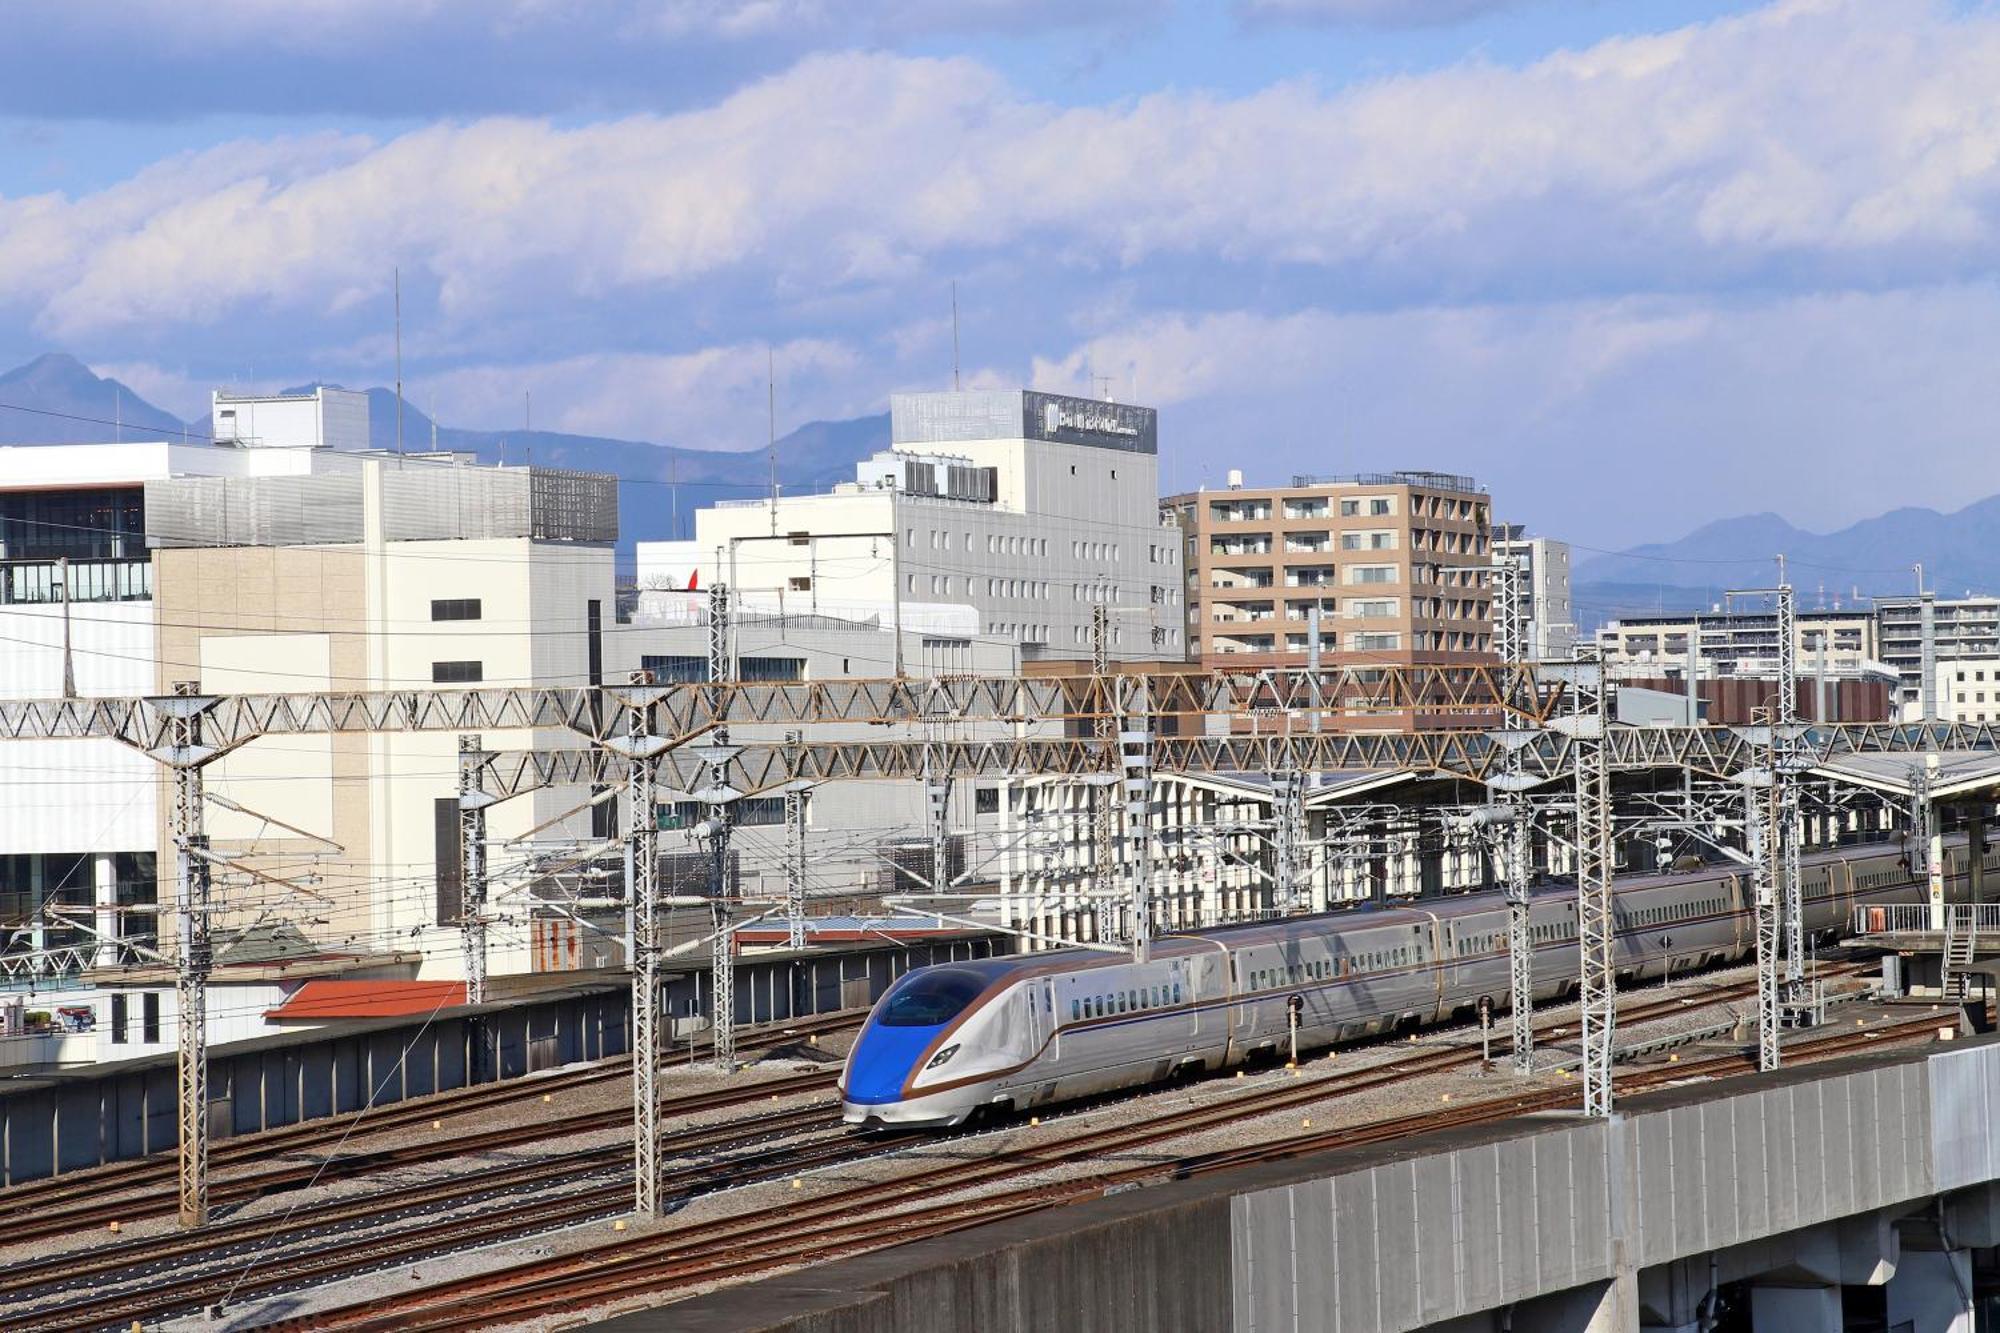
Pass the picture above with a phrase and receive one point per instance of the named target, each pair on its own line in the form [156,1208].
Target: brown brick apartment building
[1371,552]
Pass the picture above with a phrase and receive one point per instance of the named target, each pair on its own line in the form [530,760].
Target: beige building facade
[347,835]
[1379,560]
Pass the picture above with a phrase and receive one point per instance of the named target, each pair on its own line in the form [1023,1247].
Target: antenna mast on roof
[771,425]
[954,334]
[399,360]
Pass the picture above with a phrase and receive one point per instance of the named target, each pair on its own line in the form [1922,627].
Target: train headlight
[937,1061]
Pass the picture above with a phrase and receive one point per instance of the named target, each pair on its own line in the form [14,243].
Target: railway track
[609,1197]
[25,1209]
[43,1295]
[852,1221]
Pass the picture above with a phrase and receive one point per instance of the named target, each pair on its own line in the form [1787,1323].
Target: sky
[1636,265]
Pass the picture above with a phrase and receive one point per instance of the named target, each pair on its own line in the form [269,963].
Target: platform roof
[1958,776]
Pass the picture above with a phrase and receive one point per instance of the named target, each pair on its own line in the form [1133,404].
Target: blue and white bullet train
[1012,1034]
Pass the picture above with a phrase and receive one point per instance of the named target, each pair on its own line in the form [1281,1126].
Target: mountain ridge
[57,399]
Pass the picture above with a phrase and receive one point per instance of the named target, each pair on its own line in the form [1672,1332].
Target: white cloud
[1605,421]
[1819,141]
[713,398]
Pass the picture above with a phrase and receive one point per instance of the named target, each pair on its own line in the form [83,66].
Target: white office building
[1006,516]
[1545,566]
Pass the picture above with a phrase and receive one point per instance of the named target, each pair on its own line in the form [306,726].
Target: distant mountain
[1959,551]
[56,399]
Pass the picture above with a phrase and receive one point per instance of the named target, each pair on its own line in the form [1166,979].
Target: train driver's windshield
[935,995]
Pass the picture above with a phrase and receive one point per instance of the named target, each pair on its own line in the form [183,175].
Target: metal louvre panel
[420,502]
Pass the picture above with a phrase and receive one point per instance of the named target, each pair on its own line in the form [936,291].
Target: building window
[455,608]
[985,800]
[118,1019]
[692,668]
[149,1017]
[457,673]
[800,583]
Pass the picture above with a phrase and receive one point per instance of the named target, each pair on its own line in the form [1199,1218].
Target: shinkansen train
[951,1042]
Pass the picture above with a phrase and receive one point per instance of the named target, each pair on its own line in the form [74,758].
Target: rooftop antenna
[399,360]
[434,421]
[954,334]
[771,424]
[1104,380]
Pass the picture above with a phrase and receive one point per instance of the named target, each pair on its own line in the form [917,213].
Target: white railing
[1892,918]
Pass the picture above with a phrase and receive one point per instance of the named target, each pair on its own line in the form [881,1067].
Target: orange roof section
[323,999]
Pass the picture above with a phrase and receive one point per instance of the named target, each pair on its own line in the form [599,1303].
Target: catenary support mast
[472,803]
[641,749]
[1596,930]
[185,755]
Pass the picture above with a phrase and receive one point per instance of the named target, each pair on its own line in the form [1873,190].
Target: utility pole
[642,749]
[795,856]
[1759,805]
[937,796]
[1135,753]
[185,754]
[719,796]
[1927,632]
[69,659]
[1104,815]
[1287,822]
[472,803]
[1785,767]
[1587,725]
[1513,843]
[722,944]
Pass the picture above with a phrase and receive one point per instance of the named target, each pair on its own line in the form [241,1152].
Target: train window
[929,997]
[1075,1011]
[1177,992]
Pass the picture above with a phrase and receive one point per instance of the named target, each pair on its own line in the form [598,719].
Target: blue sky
[1637,264]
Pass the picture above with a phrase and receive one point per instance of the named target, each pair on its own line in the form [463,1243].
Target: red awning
[323,999]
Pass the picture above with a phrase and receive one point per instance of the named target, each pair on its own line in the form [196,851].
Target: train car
[954,1041]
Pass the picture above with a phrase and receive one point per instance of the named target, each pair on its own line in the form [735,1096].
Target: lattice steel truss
[1135,749]
[1596,929]
[185,754]
[1759,808]
[1289,893]
[472,805]
[641,749]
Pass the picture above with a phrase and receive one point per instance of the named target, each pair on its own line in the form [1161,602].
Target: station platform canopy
[1959,776]
[1326,788]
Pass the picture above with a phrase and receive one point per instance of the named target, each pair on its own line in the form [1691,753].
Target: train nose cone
[883,1060]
